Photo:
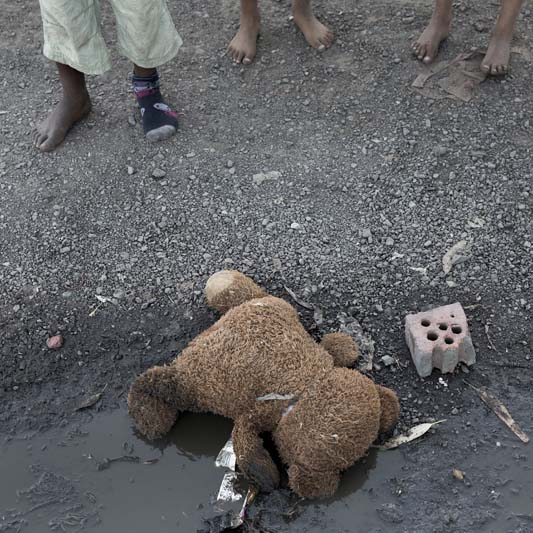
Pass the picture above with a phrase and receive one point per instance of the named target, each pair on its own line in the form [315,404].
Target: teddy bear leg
[341,347]
[252,458]
[312,484]
[390,409]
[228,288]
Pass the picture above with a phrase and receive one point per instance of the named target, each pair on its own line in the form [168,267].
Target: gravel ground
[323,172]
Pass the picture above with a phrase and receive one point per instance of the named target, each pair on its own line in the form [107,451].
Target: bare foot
[316,34]
[496,60]
[243,46]
[426,47]
[50,133]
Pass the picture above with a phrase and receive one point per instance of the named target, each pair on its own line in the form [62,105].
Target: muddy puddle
[99,476]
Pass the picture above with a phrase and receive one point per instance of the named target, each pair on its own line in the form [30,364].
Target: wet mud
[101,476]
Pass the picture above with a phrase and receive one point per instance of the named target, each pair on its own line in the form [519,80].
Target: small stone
[387,360]
[55,342]
[229,163]
[391,513]
[16,308]
[131,170]
[295,225]
[389,241]
[157,173]
[131,121]
[118,294]
[455,411]
[458,474]
[440,150]
[258,179]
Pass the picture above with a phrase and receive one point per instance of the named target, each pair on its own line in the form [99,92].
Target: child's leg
[243,46]
[73,41]
[159,121]
[74,105]
[316,34]
[427,45]
[147,36]
[496,61]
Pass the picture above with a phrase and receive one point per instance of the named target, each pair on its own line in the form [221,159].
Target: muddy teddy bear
[323,417]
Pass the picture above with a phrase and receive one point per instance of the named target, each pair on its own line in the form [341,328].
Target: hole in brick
[452,315]
[448,340]
[456,329]
[432,336]
[425,322]
[443,327]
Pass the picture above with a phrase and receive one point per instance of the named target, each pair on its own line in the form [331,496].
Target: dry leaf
[449,258]
[458,474]
[317,312]
[414,433]
[89,402]
[501,412]
[299,301]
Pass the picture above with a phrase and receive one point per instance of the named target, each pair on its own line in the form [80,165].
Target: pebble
[387,360]
[295,225]
[130,170]
[55,342]
[440,150]
[157,173]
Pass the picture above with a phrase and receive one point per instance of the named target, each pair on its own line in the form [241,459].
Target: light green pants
[72,36]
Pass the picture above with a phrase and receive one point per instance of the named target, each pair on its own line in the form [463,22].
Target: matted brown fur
[257,348]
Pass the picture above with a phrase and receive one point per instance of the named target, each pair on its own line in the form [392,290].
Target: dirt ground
[376,182]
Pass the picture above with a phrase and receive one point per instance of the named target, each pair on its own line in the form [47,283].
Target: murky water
[102,477]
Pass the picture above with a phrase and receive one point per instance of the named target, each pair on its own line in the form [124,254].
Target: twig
[501,412]
[491,344]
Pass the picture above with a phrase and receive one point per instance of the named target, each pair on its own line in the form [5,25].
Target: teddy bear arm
[309,483]
[341,347]
[156,397]
[252,457]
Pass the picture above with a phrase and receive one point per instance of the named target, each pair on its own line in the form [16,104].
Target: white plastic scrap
[231,489]
[226,458]
[274,396]
[227,492]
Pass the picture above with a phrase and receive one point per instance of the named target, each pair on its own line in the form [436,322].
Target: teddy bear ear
[228,288]
[390,409]
[313,483]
